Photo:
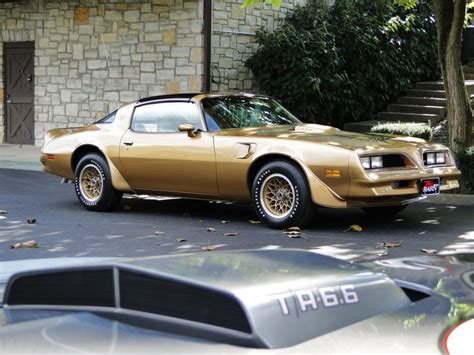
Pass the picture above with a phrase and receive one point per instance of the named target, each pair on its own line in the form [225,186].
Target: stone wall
[233,40]
[93,55]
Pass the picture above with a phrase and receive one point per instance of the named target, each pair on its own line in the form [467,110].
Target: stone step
[426,93]
[468,69]
[428,101]
[409,117]
[430,85]
[468,76]
[436,110]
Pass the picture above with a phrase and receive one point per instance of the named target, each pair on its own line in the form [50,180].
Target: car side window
[165,117]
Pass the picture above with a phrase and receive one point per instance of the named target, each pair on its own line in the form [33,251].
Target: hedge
[344,63]
[418,130]
[465,162]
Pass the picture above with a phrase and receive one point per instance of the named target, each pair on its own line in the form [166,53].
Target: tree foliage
[343,63]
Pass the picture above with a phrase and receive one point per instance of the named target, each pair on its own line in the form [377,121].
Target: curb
[450,199]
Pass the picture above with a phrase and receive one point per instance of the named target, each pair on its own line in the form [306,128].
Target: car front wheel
[281,196]
[93,184]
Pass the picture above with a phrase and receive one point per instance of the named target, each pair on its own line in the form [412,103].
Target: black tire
[94,171]
[293,192]
[384,211]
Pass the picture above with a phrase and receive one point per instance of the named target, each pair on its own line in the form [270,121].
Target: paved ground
[64,228]
[18,156]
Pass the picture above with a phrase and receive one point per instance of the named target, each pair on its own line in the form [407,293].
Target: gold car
[244,147]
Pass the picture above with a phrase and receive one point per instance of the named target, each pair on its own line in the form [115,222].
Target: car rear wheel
[384,211]
[93,184]
[281,196]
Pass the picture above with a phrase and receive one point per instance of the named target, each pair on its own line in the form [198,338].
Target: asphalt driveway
[147,226]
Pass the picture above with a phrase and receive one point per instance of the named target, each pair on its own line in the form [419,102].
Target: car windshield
[242,112]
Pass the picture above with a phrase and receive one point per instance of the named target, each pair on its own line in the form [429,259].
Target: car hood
[444,283]
[329,135]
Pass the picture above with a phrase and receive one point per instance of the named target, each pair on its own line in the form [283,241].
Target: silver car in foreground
[257,301]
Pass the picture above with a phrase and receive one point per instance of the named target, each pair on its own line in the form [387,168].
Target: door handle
[128,143]
[8,100]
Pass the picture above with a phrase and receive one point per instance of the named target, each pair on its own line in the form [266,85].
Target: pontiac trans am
[244,147]
[240,302]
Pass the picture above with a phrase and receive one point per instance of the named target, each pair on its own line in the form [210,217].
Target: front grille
[393,161]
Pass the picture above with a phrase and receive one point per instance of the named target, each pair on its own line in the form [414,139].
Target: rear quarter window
[108,119]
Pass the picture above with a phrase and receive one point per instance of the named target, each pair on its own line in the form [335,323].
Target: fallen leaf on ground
[293,234]
[354,228]
[127,207]
[31,220]
[159,233]
[209,247]
[28,244]
[210,229]
[225,221]
[388,245]
[181,240]
[229,203]
[3,212]
[429,251]
[158,243]
[231,234]
[382,253]
[253,222]
[292,229]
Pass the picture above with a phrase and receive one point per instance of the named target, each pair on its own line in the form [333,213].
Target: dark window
[148,294]
[165,117]
[108,119]
[68,288]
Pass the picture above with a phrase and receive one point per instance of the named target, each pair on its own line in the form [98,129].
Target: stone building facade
[91,56]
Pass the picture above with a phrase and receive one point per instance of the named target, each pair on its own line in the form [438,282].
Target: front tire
[281,196]
[93,184]
[384,211]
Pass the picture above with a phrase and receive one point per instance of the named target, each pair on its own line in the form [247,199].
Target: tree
[449,23]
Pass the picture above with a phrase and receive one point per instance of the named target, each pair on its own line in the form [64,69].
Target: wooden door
[19,92]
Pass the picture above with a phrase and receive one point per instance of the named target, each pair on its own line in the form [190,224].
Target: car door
[155,156]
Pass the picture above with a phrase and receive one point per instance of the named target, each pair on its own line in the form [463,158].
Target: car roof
[197,96]
[186,96]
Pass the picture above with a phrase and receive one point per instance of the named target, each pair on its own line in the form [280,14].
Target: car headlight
[435,158]
[375,162]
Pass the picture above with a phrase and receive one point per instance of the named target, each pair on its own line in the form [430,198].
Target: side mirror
[189,128]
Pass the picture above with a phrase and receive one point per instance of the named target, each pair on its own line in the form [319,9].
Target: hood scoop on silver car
[260,299]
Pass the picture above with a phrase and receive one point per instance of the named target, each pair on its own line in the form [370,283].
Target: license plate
[429,186]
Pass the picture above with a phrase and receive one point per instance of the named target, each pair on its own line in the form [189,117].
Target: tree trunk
[449,25]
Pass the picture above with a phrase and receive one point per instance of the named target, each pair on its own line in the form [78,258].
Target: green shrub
[418,130]
[466,165]
[344,63]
